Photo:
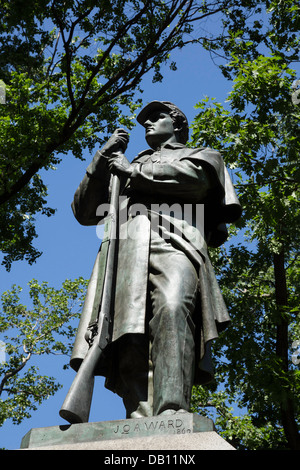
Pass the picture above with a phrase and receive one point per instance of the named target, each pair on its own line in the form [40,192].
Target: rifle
[76,407]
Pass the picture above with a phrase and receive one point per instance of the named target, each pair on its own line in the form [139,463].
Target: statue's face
[159,129]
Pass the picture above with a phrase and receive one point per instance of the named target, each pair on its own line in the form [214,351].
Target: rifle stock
[77,404]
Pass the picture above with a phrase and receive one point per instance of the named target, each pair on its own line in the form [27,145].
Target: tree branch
[128,77]
[13,372]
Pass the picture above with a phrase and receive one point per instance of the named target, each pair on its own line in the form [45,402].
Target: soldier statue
[166,304]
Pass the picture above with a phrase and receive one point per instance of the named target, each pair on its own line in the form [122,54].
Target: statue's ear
[177,131]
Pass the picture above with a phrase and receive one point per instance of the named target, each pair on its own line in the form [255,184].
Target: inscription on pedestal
[170,426]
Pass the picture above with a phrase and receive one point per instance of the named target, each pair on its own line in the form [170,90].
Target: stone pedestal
[182,431]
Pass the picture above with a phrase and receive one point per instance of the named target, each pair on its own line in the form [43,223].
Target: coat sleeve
[92,191]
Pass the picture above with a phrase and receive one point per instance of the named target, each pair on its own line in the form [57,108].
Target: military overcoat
[185,180]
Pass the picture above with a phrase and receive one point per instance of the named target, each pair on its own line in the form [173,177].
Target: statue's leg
[173,289]
[135,375]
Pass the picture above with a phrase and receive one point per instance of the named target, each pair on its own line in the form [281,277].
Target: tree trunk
[286,406]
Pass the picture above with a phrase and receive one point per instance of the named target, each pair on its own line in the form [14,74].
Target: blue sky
[69,249]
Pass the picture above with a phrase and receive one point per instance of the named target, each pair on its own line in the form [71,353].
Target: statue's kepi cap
[168,107]
[157,106]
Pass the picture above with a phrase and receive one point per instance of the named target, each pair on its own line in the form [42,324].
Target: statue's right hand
[118,141]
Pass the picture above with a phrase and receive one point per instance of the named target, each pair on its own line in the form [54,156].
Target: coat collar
[172,146]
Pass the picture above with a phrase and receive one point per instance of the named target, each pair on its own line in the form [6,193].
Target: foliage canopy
[72,71]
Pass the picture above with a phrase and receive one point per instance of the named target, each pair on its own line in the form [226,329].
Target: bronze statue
[159,302]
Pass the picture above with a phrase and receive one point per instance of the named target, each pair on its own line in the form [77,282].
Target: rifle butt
[77,404]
